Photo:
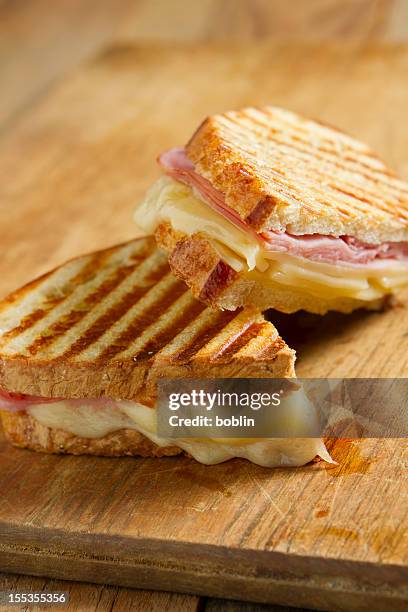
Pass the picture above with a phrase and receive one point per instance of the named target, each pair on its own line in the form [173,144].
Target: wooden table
[40,41]
[59,146]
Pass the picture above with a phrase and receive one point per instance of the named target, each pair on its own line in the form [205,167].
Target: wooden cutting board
[71,171]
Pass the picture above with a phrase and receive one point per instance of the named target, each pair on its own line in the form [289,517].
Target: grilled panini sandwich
[264,207]
[82,349]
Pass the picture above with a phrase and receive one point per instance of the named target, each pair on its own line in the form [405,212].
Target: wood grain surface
[86,597]
[71,170]
[99,598]
[41,39]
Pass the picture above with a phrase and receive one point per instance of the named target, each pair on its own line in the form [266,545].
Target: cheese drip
[88,420]
[169,200]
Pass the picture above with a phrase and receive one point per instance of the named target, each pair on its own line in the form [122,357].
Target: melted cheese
[85,419]
[169,200]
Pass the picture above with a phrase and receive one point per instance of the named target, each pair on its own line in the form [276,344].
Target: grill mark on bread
[348,180]
[322,152]
[355,167]
[174,327]
[89,264]
[18,295]
[55,299]
[181,328]
[357,150]
[238,121]
[123,299]
[342,196]
[63,324]
[66,299]
[295,160]
[205,334]
[88,271]
[283,184]
[384,207]
[154,294]
[142,322]
[271,350]
[237,343]
[114,313]
[25,324]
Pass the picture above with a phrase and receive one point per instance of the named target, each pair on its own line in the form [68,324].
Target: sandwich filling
[96,418]
[329,267]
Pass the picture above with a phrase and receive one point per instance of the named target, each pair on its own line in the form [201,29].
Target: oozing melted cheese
[87,420]
[169,200]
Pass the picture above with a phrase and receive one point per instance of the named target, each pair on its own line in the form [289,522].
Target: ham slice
[328,249]
[19,402]
[176,164]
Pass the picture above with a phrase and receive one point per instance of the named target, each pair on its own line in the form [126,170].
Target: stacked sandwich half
[262,209]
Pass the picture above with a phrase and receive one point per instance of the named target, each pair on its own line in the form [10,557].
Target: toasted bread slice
[198,261]
[25,431]
[281,171]
[113,322]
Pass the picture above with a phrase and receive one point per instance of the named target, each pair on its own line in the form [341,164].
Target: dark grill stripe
[236,344]
[18,296]
[272,349]
[27,322]
[175,326]
[329,154]
[64,323]
[381,206]
[374,175]
[370,191]
[203,336]
[285,188]
[51,301]
[334,171]
[143,321]
[288,190]
[116,311]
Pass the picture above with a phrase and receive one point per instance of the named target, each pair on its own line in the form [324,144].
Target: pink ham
[328,249]
[176,164]
[19,402]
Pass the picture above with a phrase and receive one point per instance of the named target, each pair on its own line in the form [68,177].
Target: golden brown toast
[113,322]
[279,170]
[26,432]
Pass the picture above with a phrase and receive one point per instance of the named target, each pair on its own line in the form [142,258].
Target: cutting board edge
[327,593]
[154,551]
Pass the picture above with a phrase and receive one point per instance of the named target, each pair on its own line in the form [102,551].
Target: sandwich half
[266,208]
[82,349]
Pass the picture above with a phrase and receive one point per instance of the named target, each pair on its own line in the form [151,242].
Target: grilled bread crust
[195,260]
[26,432]
[114,322]
[279,170]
